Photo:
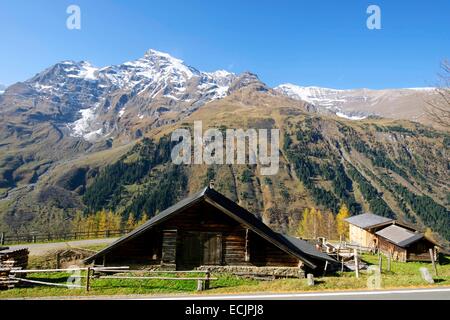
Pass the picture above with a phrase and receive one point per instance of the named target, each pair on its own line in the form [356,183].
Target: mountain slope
[390,168]
[80,138]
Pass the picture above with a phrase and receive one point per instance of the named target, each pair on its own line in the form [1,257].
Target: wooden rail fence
[8,239]
[92,273]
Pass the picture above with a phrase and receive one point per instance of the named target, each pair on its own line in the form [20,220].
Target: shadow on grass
[50,280]
[143,286]
[444,260]
[439,280]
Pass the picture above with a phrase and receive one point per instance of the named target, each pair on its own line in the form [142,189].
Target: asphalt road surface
[442,293]
[397,294]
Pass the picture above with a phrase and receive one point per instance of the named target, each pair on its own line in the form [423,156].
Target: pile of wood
[11,260]
[67,258]
[14,259]
[7,281]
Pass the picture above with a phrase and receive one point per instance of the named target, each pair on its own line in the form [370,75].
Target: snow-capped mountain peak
[95,99]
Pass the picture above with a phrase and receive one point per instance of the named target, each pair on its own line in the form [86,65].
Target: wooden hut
[405,245]
[208,229]
[362,228]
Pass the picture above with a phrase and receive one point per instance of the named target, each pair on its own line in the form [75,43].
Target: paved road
[398,294]
[37,249]
[442,293]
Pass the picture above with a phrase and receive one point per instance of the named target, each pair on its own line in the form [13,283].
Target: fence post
[2,238]
[58,263]
[208,275]
[325,268]
[432,261]
[34,239]
[88,279]
[389,261]
[380,263]
[355,253]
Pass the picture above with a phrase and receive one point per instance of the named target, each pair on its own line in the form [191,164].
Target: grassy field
[401,275]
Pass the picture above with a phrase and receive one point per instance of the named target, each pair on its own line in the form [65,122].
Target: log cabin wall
[420,251]
[142,250]
[386,247]
[264,253]
[164,243]
[360,236]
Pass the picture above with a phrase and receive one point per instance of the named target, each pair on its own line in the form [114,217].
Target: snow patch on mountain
[422,89]
[343,115]
[324,96]
[83,126]
[81,70]
[88,72]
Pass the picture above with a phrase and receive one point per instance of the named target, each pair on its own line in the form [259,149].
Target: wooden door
[169,247]
[190,254]
[212,248]
[199,248]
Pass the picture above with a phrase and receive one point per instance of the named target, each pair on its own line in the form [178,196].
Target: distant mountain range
[94,103]
[357,104]
[78,137]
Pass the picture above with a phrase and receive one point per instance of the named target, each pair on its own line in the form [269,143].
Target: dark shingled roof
[400,236]
[368,220]
[297,248]
[309,248]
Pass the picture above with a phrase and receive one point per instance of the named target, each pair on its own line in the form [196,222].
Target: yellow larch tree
[341,224]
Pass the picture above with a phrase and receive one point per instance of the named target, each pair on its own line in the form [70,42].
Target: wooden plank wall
[419,251]
[264,253]
[145,249]
[398,253]
[169,247]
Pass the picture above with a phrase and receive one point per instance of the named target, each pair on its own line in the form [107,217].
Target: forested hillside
[392,168]
[387,169]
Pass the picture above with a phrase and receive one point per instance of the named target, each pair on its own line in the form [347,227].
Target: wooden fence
[8,239]
[92,273]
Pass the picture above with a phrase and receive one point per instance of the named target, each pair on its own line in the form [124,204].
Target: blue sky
[323,43]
